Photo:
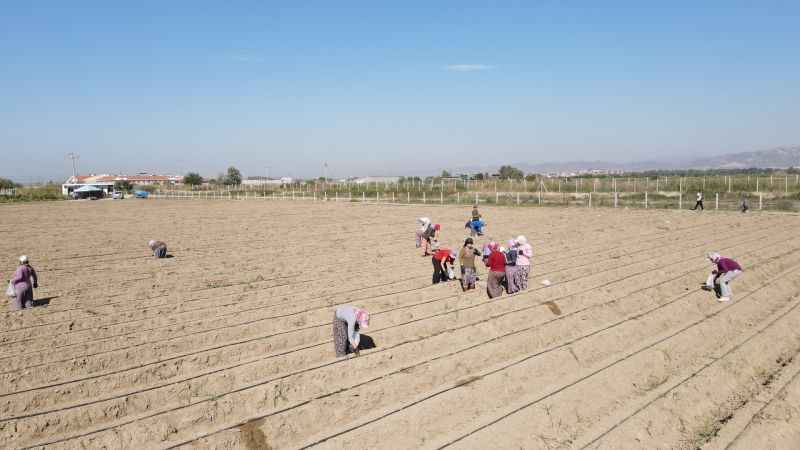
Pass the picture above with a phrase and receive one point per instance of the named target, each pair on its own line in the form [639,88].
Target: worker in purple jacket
[24,281]
[719,280]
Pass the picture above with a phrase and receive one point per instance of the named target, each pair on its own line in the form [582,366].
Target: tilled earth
[227,344]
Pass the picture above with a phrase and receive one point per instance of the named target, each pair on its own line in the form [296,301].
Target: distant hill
[776,158]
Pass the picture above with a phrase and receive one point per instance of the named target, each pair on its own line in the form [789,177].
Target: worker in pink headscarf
[348,321]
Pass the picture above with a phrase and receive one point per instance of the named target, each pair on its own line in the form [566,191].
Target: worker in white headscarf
[159,248]
[23,283]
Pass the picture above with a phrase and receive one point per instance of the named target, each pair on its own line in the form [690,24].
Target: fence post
[590,199]
[645,199]
[315,195]
[476,198]
[424,200]
[517,198]
[716,200]
[392,196]
[441,197]
[616,197]
[756,184]
[458,197]
[729,184]
[496,197]
[680,200]
[377,197]
[363,196]
[760,199]
[408,197]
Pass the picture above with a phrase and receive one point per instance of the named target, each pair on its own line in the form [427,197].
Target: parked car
[118,195]
[141,194]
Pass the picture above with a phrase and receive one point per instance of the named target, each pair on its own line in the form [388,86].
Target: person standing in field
[24,282]
[159,248]
[496,262]
[699,202]
[440,259]
[512,270]
[725,271]
[743,205]
[467,259]
[348,321]
[524,255]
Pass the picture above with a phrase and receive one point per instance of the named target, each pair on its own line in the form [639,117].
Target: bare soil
[227,344]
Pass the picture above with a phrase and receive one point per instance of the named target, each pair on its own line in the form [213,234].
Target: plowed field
[227,344]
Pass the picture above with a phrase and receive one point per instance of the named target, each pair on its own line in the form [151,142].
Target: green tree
[124,186]
[446,174]
[233,177]
[193,179]
[5,183]
[510,172]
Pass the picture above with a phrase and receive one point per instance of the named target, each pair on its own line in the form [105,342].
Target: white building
[106,182]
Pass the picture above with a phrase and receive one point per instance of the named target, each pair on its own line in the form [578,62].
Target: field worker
[496,262]
[440,259]
[743,204]
[725,271]
[524,255]
[430,235]
[475,214]
[512,270]
[424,223]
[159,248]
[466,257]
[475,227]
[24,282]
[699,202]
[348,321]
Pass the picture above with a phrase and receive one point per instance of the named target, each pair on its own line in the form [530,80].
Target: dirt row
[227,345]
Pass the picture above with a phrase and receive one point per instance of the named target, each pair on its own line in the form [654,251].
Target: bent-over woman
[440,259]
[159,248]
[348,321]
[24,282]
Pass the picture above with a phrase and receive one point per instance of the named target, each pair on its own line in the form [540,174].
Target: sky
[389,88]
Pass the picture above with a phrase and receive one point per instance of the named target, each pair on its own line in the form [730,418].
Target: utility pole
[74,157]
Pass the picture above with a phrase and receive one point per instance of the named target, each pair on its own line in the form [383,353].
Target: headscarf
[453,255]
[468,241]
[713,256]
[424,221]
[437,227]
[492,246]
[362,317]
[522,240]
[151,243]
[23,259]
[512,243]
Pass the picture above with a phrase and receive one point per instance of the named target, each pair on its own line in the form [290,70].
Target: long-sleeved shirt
[24,274]
[727,265]
[467,256]
[496,262]
[524,255]
[348,314]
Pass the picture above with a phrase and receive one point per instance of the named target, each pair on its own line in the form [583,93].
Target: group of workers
[699,203]
[508,269]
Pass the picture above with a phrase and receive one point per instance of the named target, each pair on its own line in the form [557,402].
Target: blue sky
[377,89]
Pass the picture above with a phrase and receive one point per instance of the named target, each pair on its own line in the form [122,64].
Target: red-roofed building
[106,182]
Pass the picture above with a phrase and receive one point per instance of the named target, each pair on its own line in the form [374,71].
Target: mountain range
[775,158]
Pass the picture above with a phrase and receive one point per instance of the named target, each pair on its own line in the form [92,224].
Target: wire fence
[643,200]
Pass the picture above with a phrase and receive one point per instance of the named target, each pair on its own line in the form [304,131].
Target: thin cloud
[245,58]
[467,67]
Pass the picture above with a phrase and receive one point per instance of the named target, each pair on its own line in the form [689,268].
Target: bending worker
[719,280]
